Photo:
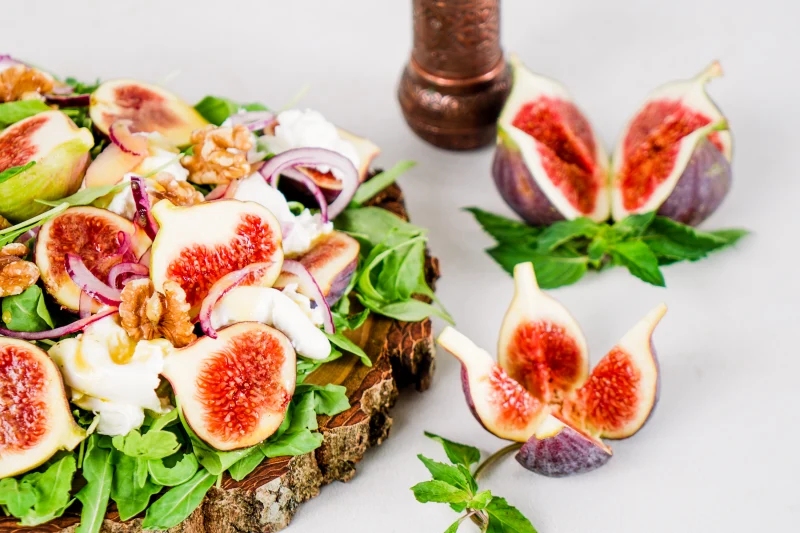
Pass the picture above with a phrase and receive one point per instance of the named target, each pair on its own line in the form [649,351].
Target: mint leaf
[379,182]
[567,230]
[339,340]
[179,502]
[169,476]
[98,472]
[12,112]
[439,492]
[504,518]
[480,500]
[505,230]
[672,242]
[447,473]
[26,311]
[9,173]
[640,261]
[555,269]
[634,225]
[151,445]
[459,454]
[88,195]
[130,496]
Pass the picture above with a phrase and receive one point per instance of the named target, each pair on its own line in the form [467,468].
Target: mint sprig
[456,484]
[563,252]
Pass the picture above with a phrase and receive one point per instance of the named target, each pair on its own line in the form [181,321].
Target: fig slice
[197,245]
[234,390]
[92,234]
[60,153]
[674,154]
[35,418]
[148,107]
[331,262]
[498,402]
[622,390]
[540,345]
[557,449]
[549,165]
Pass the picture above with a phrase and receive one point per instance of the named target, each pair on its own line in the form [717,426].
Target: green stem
[495,457]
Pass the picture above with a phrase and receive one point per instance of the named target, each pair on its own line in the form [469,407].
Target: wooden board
[402,354]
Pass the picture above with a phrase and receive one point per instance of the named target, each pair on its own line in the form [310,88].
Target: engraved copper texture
[454,86]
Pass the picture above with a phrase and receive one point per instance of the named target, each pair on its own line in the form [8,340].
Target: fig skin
[517,187]
[701,188]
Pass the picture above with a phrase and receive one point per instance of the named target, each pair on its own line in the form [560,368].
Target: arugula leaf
[12,112]
[79,87]
[439,492]
[640,261]
[373,224]
[217,109]
[183,469]
[460,454]
[407,311]
[152,445]
[329,399]
[38,497]
[9,173]
[379,182]
[244,466]
[179,502]
[98,472]
[296,443]
[130,496]
[26,311]
[351,322]
[504,518]
[164,420]
[338,339]
[88,195]
[11,234]
[18,497]
[565,231]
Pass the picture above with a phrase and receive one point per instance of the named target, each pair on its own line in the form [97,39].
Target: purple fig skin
[701,188]
[518,188]
[565,454]
[468,397]
[340,283]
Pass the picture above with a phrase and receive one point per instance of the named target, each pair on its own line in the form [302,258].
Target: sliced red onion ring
[131,270]
[313,188]
[230,192]
[145,258]
[28,235]
[143,216]
[217,193]
[63,90]
[8,61]
[120,134]
[69,100]
[254,120]
[75,327]
[308,286]
[220,288]
[85,305]
[88,282]
[124,243]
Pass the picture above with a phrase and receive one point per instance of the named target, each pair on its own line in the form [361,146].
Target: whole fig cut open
[35,417]
[234,390]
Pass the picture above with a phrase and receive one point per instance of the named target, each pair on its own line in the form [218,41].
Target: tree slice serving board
[402,354]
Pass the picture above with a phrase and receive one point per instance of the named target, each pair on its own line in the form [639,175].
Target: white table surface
[720,453]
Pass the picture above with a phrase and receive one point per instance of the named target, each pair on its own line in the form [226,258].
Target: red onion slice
[217,193]
[75,327]
[132,270]
[230,192]
[145,258]
[69,100]
[28,235]
[88,282]
[85,305]
[307,286]
[125,243]
[120,134]
[143,216]
[221,288]
[313,188]
[254,120]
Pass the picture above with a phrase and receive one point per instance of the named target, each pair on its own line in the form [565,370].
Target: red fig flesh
[549,165]
[93,235]
[674,154]
[234,390]
[35,418]
[225,236]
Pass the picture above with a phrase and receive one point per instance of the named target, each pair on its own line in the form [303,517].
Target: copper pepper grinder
[454,86]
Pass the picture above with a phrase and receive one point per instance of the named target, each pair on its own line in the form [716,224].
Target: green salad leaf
[26,311]
[217,109]
[379,182]
[175,505]
[98,472]
[12,112]
[10,172]
[89,195]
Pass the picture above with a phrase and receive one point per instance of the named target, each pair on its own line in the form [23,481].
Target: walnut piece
[147,314]
[219,154]
[177,192]
[16,274]
[22,82]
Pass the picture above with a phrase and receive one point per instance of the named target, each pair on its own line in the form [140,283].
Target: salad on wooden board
[170,275]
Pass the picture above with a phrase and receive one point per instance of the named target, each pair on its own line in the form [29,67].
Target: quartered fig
[497,401]
[622,389]
[35,418]
[148,107]
[92,234]
[234,390]
[226,235]
[331,261]
[541,346]
[60,153]
[549,165]
[674,154]
[557,449]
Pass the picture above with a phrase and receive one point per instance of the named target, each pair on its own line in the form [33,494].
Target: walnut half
[147,314]
[21,82]
[219,154]
[176,191]
[16,274]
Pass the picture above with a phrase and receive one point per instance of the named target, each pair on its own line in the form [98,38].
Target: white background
[721,452]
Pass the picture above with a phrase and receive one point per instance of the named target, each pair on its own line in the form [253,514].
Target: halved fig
[197,245]
[60,153]
[92,234]
[148,107]
[557,449]
[674,154]
[35,417]
[496,400]
[541,346]
[234,390]
[549,165]
[622,390]
[331,261]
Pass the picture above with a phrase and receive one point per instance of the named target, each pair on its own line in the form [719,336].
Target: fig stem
[495,457]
